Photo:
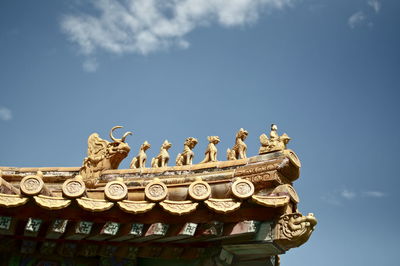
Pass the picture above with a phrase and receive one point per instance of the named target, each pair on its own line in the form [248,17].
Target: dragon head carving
[103,155]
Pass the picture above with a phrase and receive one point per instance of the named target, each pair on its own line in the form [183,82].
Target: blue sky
[327,72]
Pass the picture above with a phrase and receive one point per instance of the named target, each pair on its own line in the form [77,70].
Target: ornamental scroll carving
[242,188]
[295,229]
[74,188]
[32,184]
[199,190]
[51,203]
[8,201]
[94,205]
[179,207]
[156,191]
[223,205]
[271,201]
[116,190]
[135,207]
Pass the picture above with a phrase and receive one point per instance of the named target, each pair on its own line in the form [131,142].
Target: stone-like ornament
[242,188]
[271,201]
[103,155]
[140,160]
[179,207]
[295,229]
[199,190]
[74,188]
[186,157]
[274,142]
[32,184]
[135,207]
[211,151]
[223,205]
[116,190]
[52,203]
[94,205]
[156,191]
[8,201]
[240,148]
[161,160]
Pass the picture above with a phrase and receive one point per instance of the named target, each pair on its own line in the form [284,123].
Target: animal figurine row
[238,151]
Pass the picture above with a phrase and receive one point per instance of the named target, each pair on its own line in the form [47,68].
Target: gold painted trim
[8,201]
[52,203]
[179,207]
[135,207]
[271,201]
[94,205]
[223,205]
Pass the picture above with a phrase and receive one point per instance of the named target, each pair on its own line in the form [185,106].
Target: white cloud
[146,26]
[347,194]
[375,4]
[90,65]
[5,114]
[374,194]
[356,19]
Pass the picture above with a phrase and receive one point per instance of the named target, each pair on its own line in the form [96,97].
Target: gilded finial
[211,151]
[239,150]
[274,142]
[186,157]
[140,160]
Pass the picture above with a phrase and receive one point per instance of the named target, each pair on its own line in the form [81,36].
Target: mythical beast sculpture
[103,155]
[186,157]
[239,149]
[140,160]
[211,151]
[161,160]
[295,229]
[275,142]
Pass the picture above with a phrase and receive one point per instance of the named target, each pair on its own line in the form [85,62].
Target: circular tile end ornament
[116,190]
[156,191]
[242,189]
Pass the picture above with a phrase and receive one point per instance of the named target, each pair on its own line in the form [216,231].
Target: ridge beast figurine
[186,157]
[103,155]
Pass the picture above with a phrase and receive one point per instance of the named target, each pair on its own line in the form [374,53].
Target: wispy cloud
[5,114]
[338,196]
[356,19]
[90,65]
[375,4]
[347,194]
[146,26]
[374,194]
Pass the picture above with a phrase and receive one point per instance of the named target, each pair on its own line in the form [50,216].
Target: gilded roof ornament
[186,157]
[161,160]
[140,160]
[274,142]
[239,150]
[211,151]
[103,155]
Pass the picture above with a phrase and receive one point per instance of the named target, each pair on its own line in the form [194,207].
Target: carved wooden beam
[7,225]
[7,188]
[32,185]
[56,229]
[32,227]
[154,231]
[48,247]
[178,232]
[129,231]
[104,231]
[79,230]
[28,247]
[205,231]
[67,249]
